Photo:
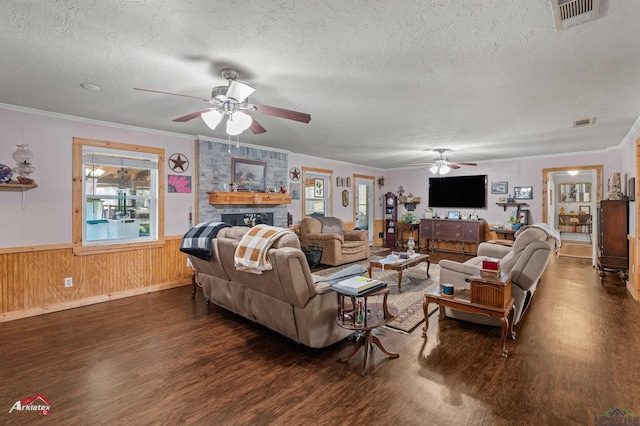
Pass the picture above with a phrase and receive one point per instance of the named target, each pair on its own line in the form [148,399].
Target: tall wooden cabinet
[390,218]
[613,246]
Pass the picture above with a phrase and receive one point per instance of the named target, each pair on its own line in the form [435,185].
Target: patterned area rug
[408,300]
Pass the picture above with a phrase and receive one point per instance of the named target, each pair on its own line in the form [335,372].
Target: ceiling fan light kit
[231,101]
[440,165]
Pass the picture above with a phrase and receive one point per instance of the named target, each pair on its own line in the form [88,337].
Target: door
[363,189]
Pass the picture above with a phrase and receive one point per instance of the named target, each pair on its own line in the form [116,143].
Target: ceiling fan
[231,101]
[441,165]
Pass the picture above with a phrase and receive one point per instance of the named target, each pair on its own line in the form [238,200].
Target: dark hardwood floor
[164,358]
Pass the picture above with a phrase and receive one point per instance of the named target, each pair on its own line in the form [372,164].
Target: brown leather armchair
[339,246]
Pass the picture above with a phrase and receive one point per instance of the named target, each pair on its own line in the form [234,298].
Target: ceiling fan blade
[239,91]
[169,93]
[256,128]
[421,164]
[283,113]
[190,116]
[453,166]
[457,163]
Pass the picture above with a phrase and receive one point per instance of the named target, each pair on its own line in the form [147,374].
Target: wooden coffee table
[400,265]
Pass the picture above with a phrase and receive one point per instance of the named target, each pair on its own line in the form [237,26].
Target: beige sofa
[526,261]
[338,248]
[284,299]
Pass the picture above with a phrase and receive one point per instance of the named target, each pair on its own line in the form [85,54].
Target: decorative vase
[411,244]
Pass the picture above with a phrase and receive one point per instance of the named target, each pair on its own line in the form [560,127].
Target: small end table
[376,314]
[487,296]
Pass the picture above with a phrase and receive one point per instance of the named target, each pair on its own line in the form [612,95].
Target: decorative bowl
[5,173]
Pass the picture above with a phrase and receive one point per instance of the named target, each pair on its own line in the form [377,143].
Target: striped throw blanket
[197,240]
[251,253]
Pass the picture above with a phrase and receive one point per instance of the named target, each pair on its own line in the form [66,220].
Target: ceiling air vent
[568,13]
[584,122]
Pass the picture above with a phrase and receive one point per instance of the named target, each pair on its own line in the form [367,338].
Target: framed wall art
[523,193]
[249,175]
[294,190]
[499,187]
[318,188]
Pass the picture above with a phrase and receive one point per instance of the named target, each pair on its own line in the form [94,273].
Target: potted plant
[407,218]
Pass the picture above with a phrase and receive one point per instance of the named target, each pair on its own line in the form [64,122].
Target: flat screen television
[458,191]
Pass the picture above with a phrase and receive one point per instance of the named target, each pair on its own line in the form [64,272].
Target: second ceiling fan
[441,165]
[231,101]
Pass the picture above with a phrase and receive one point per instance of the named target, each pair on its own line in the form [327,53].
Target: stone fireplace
[214,163]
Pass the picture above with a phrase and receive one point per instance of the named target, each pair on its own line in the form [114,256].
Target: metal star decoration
[178,162]
[294,173]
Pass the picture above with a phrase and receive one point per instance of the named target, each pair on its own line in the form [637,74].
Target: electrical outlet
[68,282]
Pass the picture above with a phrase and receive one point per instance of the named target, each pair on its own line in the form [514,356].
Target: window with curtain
[119,194]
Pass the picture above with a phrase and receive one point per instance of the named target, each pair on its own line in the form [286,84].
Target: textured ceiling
[384,81]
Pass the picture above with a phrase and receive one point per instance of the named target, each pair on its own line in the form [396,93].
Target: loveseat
[284,299]
[526,261]
[339,246]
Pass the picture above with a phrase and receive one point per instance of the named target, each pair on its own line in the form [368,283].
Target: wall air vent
[584,122]
[568,13]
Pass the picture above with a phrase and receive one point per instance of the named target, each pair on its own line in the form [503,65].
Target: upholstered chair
[526,261]
[339,246]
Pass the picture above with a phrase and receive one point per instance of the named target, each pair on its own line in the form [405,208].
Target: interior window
[317,193]
[118,194]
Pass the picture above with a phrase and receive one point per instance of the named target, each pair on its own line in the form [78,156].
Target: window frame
[78,198]
[315,173]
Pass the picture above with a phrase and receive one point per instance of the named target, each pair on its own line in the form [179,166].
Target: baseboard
[63,306]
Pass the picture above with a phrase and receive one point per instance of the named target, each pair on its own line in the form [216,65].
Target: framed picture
[585,210]
[631,189]
[271,189]
[294,190]
[179,183]
[523,193]
[249,175]
[453,215]
[499,187]
[318,188]
[522,216]
[338,181]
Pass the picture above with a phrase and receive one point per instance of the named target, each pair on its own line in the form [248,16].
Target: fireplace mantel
[248,198]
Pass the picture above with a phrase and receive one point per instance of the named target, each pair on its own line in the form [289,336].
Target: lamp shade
[212,118]
[239,91]
[444,169]
[238,123]
[434,169]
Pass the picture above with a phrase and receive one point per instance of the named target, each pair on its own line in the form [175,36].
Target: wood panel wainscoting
[32,278]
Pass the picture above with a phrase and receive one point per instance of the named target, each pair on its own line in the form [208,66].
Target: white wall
[340,169]
[46,216]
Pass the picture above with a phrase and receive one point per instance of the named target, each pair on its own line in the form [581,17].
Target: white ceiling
[384,81]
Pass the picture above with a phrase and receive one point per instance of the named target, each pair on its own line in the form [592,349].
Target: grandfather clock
[390,217]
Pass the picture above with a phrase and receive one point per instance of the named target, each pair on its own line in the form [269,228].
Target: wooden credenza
[613,246]
[461,231]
